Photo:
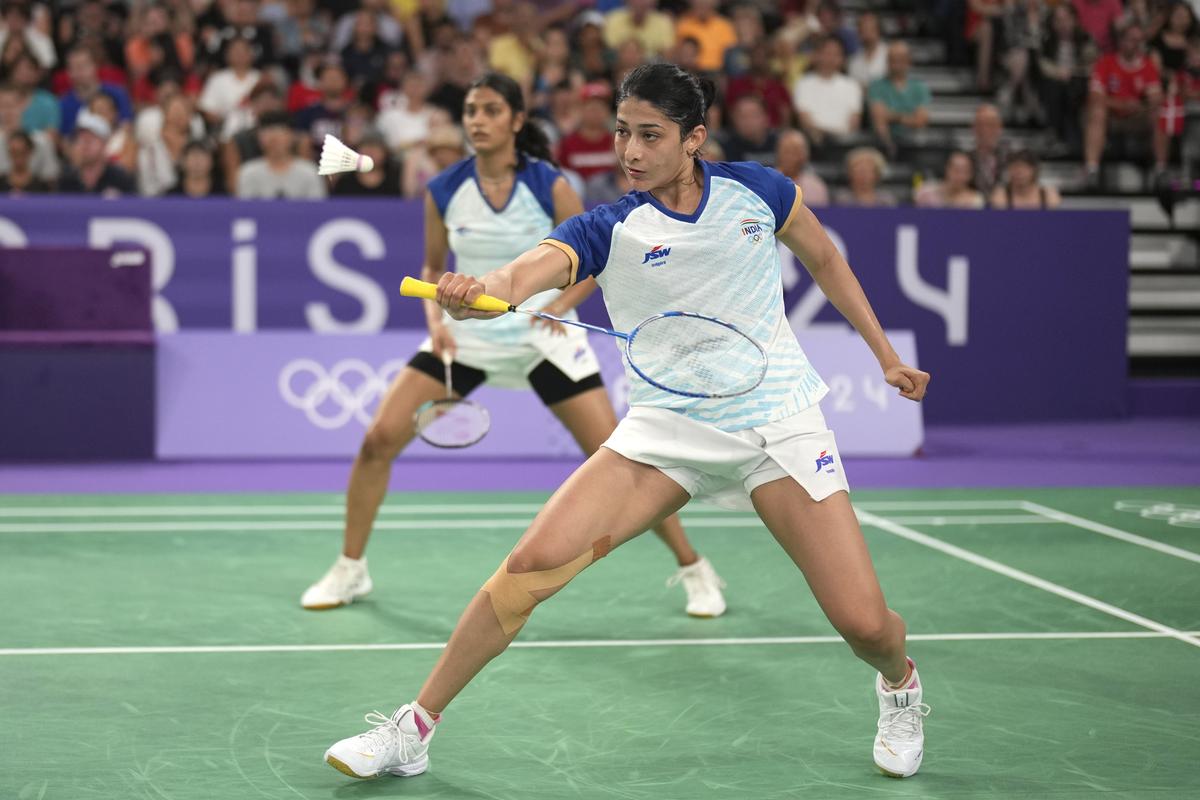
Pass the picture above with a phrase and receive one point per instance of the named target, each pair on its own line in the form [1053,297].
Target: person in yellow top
[713,32]
[640,20]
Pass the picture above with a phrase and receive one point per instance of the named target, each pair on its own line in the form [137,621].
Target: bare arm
[437,247]
[807,239]
[544,267]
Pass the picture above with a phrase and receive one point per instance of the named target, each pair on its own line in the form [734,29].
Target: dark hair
[1025,156]
[681,96]
[275,119]
[22,136]
[531,139]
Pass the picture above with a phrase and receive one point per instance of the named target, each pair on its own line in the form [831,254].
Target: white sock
[351,562]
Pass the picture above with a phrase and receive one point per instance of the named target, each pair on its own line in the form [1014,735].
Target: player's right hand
[442,341]
[456,292]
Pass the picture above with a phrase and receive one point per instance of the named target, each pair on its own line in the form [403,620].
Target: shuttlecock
[337,157]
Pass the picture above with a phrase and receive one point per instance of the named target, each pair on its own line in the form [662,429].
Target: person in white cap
[92,172]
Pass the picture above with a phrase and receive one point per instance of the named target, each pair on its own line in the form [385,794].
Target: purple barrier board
[1018,315]
[223,395]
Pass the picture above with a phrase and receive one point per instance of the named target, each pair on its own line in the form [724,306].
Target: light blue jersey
[483,238]
[720,261]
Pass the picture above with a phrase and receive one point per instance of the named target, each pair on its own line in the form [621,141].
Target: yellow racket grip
[411,287]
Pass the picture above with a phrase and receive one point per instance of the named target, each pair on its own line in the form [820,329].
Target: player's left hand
[556,328]
[910,381]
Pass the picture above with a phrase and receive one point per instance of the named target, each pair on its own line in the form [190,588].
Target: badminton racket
[451,422]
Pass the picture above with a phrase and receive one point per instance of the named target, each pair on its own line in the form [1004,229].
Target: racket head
[694,355]
[451,422]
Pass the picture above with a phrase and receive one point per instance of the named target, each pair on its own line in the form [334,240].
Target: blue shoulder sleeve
[587,237]
[540,176]
[776,190]
[447,182]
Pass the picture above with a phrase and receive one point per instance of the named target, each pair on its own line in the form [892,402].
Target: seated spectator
[1124,100]
[899,103]
[278,173]
[1169,47]
[239,20]
[954,190]
[85,84]
[162,147]
[791,158]
[441,150]
[155,47]
[831,23]
[121,148]
[299,28]
[1022,188]
[515,52]
[17,24]
[749,137]
[554,65]
[629,57]
[1098,18]
[405,121]
[18,177]
[197,175]
[328,114]
[865,167]
[1064,65]
[42,111]
[457,68]
[828,103]
[640,20]
[760,80]
[388,26]
[92,172]
[869,64]
[1187,92]
[383,181]
[712,151]
[241,143]
[982,26]
[714,34]
[989,150]
[227,88]
[748,25]
[43,157]
[1021,35]
[366,54]
[588,150]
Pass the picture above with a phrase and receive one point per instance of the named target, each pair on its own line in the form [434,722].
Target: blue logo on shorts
[825,460]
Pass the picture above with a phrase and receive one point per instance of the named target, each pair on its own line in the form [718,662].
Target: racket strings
[697,356]
[452,423]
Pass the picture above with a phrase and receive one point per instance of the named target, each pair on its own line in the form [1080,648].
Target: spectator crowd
[200,98]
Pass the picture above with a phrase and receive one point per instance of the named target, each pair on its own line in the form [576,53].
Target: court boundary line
[1107,530]
[564,644]
[896,529]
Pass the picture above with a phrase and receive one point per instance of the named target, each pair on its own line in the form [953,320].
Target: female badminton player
[487,210]
[693,236]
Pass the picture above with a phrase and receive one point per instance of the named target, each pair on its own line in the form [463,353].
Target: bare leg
[580,513]
[590,419]
[1095,131]
[390,432]
[827,545]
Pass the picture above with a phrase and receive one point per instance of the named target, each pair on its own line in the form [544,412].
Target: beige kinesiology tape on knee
[512,593]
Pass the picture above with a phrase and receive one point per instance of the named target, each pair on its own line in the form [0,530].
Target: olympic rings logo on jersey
[330,398]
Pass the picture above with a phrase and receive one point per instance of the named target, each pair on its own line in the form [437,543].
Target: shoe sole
[341,767]
[331,606]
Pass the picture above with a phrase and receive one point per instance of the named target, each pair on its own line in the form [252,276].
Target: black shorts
[551,383]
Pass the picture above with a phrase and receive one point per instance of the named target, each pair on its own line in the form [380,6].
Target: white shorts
[724,467]
[508,366]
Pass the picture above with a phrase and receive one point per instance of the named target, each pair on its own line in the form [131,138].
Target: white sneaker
[900,743]
[346,581]
[703,587]
[397,745]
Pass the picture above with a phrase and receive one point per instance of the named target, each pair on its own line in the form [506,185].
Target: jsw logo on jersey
[657,255]
[825,460]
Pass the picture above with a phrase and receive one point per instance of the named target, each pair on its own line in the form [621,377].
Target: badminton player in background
[487,210]
[693,236]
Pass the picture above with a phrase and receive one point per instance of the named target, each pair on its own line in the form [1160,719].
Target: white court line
[1024,577]
[423,509]
[993,519]
[1108,530]
[569,644]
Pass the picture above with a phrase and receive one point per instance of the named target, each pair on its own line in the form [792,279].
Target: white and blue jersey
[721,261]
[484,238]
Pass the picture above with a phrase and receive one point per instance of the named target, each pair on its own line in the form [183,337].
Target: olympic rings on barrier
[330,398]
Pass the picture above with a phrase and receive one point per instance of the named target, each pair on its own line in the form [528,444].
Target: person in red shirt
[1099,19]
[760,80]
[589,149]
[1124,99]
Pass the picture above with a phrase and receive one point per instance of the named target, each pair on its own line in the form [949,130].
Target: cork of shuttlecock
[336,157]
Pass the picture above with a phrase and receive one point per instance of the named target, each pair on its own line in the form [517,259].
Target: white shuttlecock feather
[337,157]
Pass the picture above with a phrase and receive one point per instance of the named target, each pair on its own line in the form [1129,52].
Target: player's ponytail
[681,96]
[531,139]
